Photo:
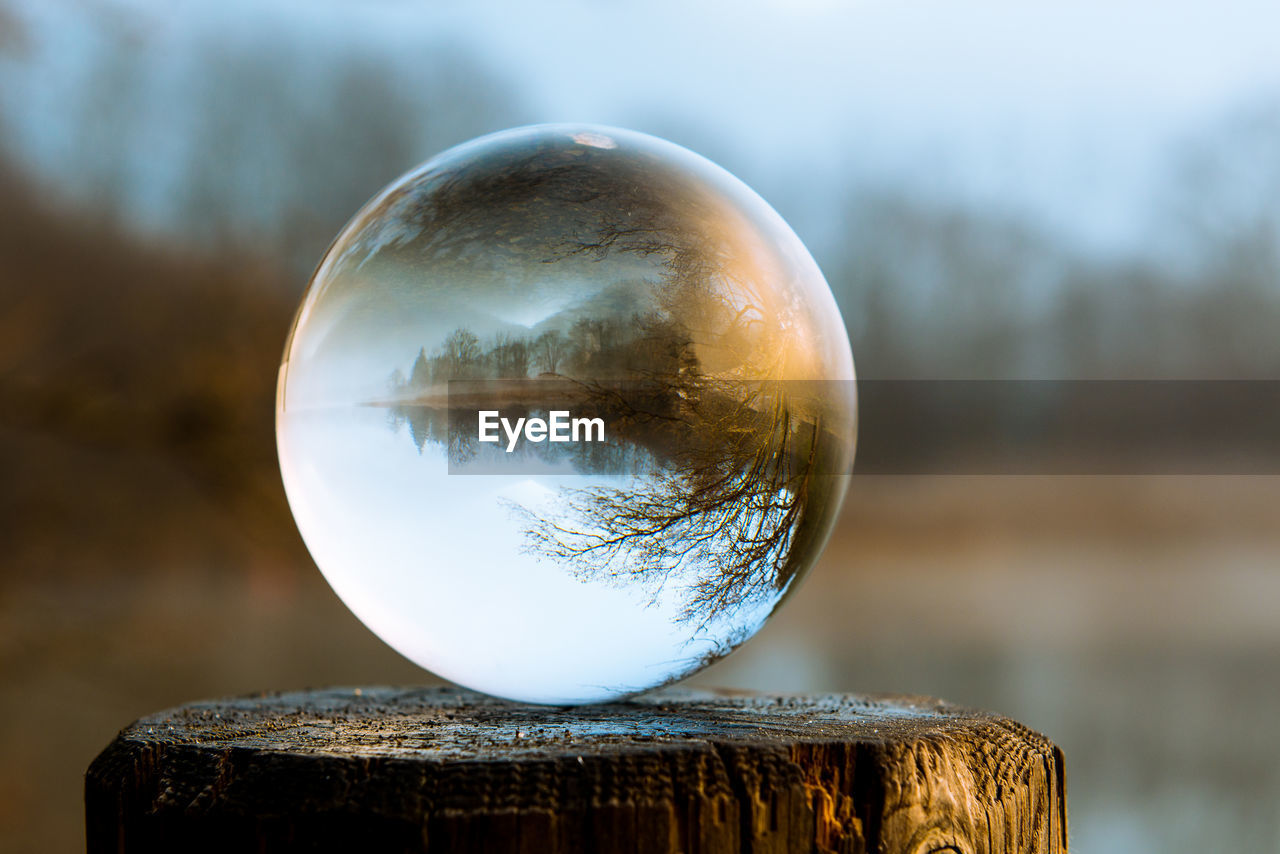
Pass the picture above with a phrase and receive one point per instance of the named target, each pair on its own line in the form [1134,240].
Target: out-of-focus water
[1129,619]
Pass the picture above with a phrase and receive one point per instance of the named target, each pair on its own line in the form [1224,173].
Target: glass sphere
[565,413]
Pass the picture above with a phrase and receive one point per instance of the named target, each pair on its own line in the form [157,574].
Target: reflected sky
[435,566]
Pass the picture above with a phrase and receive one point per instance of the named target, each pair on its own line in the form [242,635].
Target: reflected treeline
[642,345]
[725,483]
[734,468]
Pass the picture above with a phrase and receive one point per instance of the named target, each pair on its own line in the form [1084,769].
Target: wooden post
[445,770]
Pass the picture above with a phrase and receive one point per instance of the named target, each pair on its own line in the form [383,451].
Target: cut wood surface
[446,770]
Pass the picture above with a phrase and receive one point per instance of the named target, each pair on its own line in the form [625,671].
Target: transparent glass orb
[564,276]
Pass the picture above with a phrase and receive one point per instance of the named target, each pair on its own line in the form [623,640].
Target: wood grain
[444,770]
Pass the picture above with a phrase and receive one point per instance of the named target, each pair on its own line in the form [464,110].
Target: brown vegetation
[138,386]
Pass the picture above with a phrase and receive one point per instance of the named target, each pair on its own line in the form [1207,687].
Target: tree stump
[445,770]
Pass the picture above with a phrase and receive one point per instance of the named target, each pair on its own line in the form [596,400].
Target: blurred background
[995,190]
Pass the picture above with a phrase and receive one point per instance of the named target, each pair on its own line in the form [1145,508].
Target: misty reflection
[613,277]
[729,478]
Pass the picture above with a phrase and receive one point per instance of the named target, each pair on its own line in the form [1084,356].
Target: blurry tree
[111,151]
[586,337]
[935,291]
[1226,191]
[509,356]
[420,375]
[460,355]
[549,350]
[14,38]
[1226,201]
[279,142]
[283,156]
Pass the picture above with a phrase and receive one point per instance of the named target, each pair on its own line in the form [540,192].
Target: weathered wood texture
[443,770]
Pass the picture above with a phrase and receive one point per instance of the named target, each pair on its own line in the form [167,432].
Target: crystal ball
[565,413]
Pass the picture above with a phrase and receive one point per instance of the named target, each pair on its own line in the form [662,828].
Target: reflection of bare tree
[725,513]
[689,372]
[739,492]
[731,490]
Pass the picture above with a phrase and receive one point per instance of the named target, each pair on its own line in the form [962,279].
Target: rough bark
[444,770]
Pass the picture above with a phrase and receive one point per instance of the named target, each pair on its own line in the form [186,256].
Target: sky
[1064,112]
